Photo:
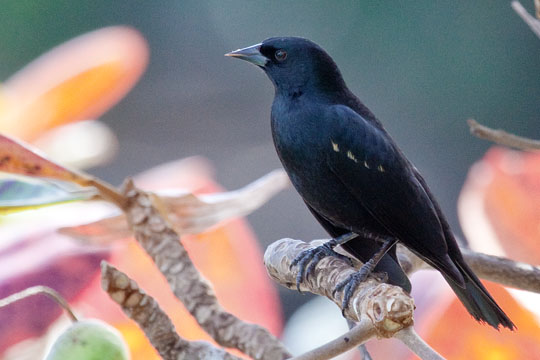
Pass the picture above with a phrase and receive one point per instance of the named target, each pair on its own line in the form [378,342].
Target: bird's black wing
[364,249]
[368,163]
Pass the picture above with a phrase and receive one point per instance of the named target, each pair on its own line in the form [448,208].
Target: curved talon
[316,258]
[302,259]
[308,259]
[349,285]
[352,282]
[349,290]
[302,274]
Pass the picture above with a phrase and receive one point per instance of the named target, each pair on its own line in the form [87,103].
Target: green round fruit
[89,340]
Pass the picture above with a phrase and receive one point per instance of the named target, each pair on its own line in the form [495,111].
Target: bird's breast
[303,143]
[298,138]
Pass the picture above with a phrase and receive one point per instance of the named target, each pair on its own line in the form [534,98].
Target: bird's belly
[322,191]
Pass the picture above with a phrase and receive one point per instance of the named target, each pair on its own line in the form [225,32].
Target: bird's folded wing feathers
[367,162]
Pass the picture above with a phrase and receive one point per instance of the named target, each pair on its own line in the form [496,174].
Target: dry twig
[489,267]
[161,242]
[39,290]
[502,137]
[504,271]
[358,335]
[157,326]
[529,20]
[414,342]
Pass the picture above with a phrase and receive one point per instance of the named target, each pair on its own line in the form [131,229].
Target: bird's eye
[280,55]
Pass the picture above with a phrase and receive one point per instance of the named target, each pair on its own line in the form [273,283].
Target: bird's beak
[251,54]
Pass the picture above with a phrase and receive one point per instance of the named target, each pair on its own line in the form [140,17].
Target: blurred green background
[423,67]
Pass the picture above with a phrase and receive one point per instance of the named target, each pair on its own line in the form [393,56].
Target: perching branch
[157,326]
[502,137]
[388,307]
[533,23]
[382,310]
[162,243]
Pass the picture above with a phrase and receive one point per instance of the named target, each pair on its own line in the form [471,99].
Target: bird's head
[294,64]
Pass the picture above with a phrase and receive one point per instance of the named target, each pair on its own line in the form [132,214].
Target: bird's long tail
[474,295]
[477,300]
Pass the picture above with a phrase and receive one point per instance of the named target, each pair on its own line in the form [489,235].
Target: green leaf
[18,193]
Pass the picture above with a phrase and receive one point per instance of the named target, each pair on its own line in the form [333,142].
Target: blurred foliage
[32,252]
[423,67]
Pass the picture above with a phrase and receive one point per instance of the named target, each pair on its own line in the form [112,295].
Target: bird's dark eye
[280,55]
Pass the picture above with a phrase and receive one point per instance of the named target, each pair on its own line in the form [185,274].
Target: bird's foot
[308,259]
[351,283]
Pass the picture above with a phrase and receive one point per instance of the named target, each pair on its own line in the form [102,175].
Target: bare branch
[502,137]
[358,335]
[157,326]
[388,307]
[493,268]
[39,290]
[414,342]
[504,271]
[106,190]
[362,348]
[161,242]
[529,20]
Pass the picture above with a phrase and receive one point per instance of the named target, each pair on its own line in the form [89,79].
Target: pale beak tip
[250,54]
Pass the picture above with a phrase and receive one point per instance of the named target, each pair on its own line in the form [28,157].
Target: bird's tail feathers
[451,272]
[478,301]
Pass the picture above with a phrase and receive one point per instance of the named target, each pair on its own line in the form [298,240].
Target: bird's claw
[349,285]
[307,260]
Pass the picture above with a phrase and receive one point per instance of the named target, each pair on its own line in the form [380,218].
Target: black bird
[354,178]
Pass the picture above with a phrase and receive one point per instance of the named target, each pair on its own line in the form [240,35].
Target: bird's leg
[308,259]
[342,239]
[351,282]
